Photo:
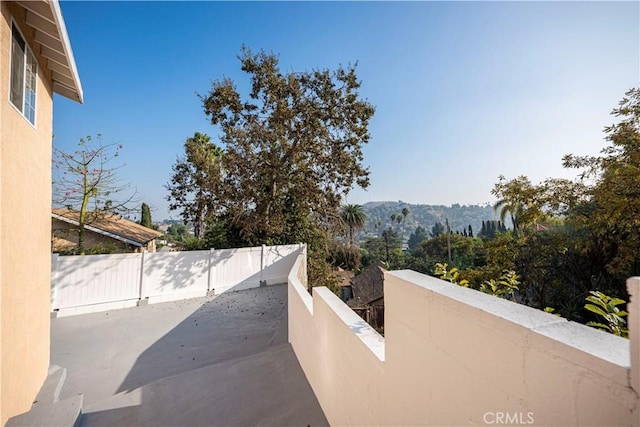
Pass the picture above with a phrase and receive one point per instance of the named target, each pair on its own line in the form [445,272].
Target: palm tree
[513,208]
[405,213]
[387,235]
[354,217]
[520,200]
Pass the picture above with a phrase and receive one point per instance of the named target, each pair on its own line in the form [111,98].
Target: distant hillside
[460,216]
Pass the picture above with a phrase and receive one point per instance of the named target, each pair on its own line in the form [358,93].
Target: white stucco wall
[455,356]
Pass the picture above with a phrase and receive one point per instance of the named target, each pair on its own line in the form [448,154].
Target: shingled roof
[368,286]
[110,225]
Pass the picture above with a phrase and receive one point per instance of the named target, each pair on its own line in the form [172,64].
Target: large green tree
[418,235]
[293,149]
[195,185]
[178,233]
[386,248]
[437,229]
[436,250]
[609,205]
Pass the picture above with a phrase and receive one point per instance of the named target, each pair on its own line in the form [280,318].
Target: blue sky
[464,91]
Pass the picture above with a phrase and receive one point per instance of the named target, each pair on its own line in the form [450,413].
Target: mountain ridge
[460,216]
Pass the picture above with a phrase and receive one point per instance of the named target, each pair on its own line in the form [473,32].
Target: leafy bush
[606,308]
[452,275]
[504,287]
[99,249]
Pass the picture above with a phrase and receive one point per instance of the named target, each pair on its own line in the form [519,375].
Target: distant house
[368,287]
[365,295]
[110,231]
[344,281]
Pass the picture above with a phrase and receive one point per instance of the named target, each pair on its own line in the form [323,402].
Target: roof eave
[102,232]
[57,13]
[45,17]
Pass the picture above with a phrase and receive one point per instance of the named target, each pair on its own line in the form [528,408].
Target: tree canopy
[609,192]
[293,147]
[195,187]
[290,151]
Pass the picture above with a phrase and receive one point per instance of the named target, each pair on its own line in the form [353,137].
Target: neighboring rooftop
[110,225]
[222,360]
[344,277]
[368,286]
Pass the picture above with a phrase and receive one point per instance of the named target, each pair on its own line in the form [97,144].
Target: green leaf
[595,309]
[598,325]
[597,301]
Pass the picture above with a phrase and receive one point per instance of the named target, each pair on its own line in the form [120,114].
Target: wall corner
[633,308]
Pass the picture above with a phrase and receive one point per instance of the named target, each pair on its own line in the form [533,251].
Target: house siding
[65,238]
[25,229]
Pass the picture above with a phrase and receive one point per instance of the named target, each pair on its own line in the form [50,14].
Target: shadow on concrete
[227,363]
[231,325]
[266,389]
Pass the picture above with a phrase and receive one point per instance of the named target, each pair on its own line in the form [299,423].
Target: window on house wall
[24,70]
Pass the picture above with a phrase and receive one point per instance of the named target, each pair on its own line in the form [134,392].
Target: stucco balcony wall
[455,356]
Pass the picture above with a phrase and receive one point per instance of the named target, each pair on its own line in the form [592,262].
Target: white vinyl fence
[84,284]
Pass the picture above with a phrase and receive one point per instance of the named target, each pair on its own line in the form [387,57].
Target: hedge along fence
[90,283]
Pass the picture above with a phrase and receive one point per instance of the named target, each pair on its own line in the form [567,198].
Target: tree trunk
[82,219]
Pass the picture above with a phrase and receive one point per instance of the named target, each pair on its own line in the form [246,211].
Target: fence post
[54,280]
[210,275]
[262,255]
[142,287]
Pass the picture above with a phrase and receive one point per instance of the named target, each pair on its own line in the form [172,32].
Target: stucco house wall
[25,199]
[65,238]
[111,232]
[25,224]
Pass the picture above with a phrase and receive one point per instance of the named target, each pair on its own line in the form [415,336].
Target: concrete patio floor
[219,361]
